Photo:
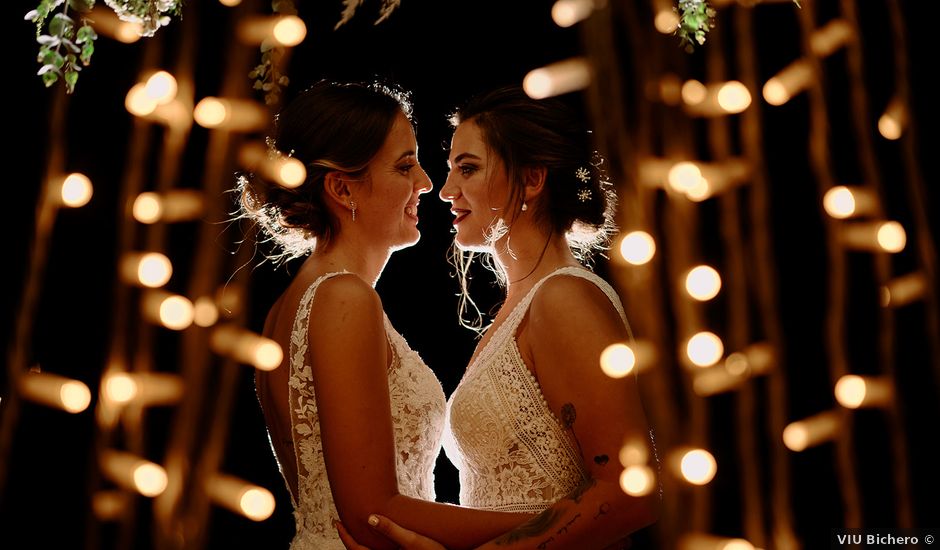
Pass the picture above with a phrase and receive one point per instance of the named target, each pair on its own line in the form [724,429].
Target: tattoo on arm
[581,489]
[568,416]
[538,525]
[603,510]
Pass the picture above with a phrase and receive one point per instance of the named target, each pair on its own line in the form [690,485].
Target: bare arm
[570,322]
[349,356]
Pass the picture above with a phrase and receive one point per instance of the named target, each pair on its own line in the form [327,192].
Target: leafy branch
[696,18]
[267,74]
[65,46]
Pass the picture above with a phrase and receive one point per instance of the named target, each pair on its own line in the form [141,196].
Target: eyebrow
[462,156]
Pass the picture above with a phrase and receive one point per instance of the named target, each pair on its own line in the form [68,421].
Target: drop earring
[353,206]
[525,206]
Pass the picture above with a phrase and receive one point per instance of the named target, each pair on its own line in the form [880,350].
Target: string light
[669,89]
[853,391]
[237,115]
[283,30]
[109,505]
[875,236]
[558,78]
[830,37]
[284,170]
[55,391]
[171,206]
[173,311]
[230,3]
[792,80]
[684,176]
[253,502]
[718,99]
[143,388]
[149,269]
[843,202]
[702,283]
[904,290]
[693,92]
[637,247]
[666,20]
[138,102]
[205,312]
[76,190]
[566,13]
[892,122]
[809,432]
[133,473]
[246,347]
[161,87]
[695,466]
[704,349]
[637,480]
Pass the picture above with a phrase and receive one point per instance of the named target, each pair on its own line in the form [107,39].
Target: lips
[459,214]
[411,210]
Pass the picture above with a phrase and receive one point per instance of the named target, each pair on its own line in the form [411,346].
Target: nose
[450,191]
[424,182]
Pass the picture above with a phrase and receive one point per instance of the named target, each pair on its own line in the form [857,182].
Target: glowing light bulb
[704,349]
[161,87]
[55,391]
[633,453]
[693,92]
[267,355]
[737,544]
[683,176]
[566,13]
[246,347]
[150,479]
[802,434]
[903,290]
[638,480]
[211,112]
[289,31]
[617,360]
[205,312]
[638,247]
[850,391]
[700,191]
[666,21]
[230,3]
[147,207]
[703,283]
[154,270]
[120,387]
[557,79]
[138,102]
[76,190]
[892,121]
[698,466]
[75,396]
[775,92]
[891,237]
[251,501]
[292,173]
[257,503]
[733,97]
[839,202]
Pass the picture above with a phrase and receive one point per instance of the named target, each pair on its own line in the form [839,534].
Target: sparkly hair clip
[273,151]
[582,173]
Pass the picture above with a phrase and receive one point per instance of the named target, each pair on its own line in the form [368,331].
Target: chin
[407,241]
[473,245]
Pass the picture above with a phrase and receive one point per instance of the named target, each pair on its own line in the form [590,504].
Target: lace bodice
[417,408]
[512,452]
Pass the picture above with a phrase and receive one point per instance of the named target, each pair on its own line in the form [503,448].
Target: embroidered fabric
[417,408]
[513,453]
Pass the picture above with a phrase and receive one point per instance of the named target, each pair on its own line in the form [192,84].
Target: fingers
[349,542]
[392,530]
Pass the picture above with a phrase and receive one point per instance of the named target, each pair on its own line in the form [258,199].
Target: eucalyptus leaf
[47,40]
[82,5]
[71,77]
[50,78]
[71,45]
[45,69]
[31,15]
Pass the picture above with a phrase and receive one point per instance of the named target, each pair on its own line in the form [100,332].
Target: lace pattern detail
[417,408]
[512,452]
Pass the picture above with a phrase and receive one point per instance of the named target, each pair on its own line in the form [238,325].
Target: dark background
[443,51]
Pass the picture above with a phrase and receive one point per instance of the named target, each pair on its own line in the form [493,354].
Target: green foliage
[267,74]
[65,48]
[696,18]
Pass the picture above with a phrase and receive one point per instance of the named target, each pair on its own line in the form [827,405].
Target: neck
[353,254]
[527,254]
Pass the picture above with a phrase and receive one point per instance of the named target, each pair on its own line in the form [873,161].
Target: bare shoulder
[346,300]
[572,303]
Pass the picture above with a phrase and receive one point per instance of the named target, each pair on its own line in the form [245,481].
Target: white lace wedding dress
[417,408]
[512,452]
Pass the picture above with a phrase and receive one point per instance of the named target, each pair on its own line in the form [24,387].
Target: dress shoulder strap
[519,312]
